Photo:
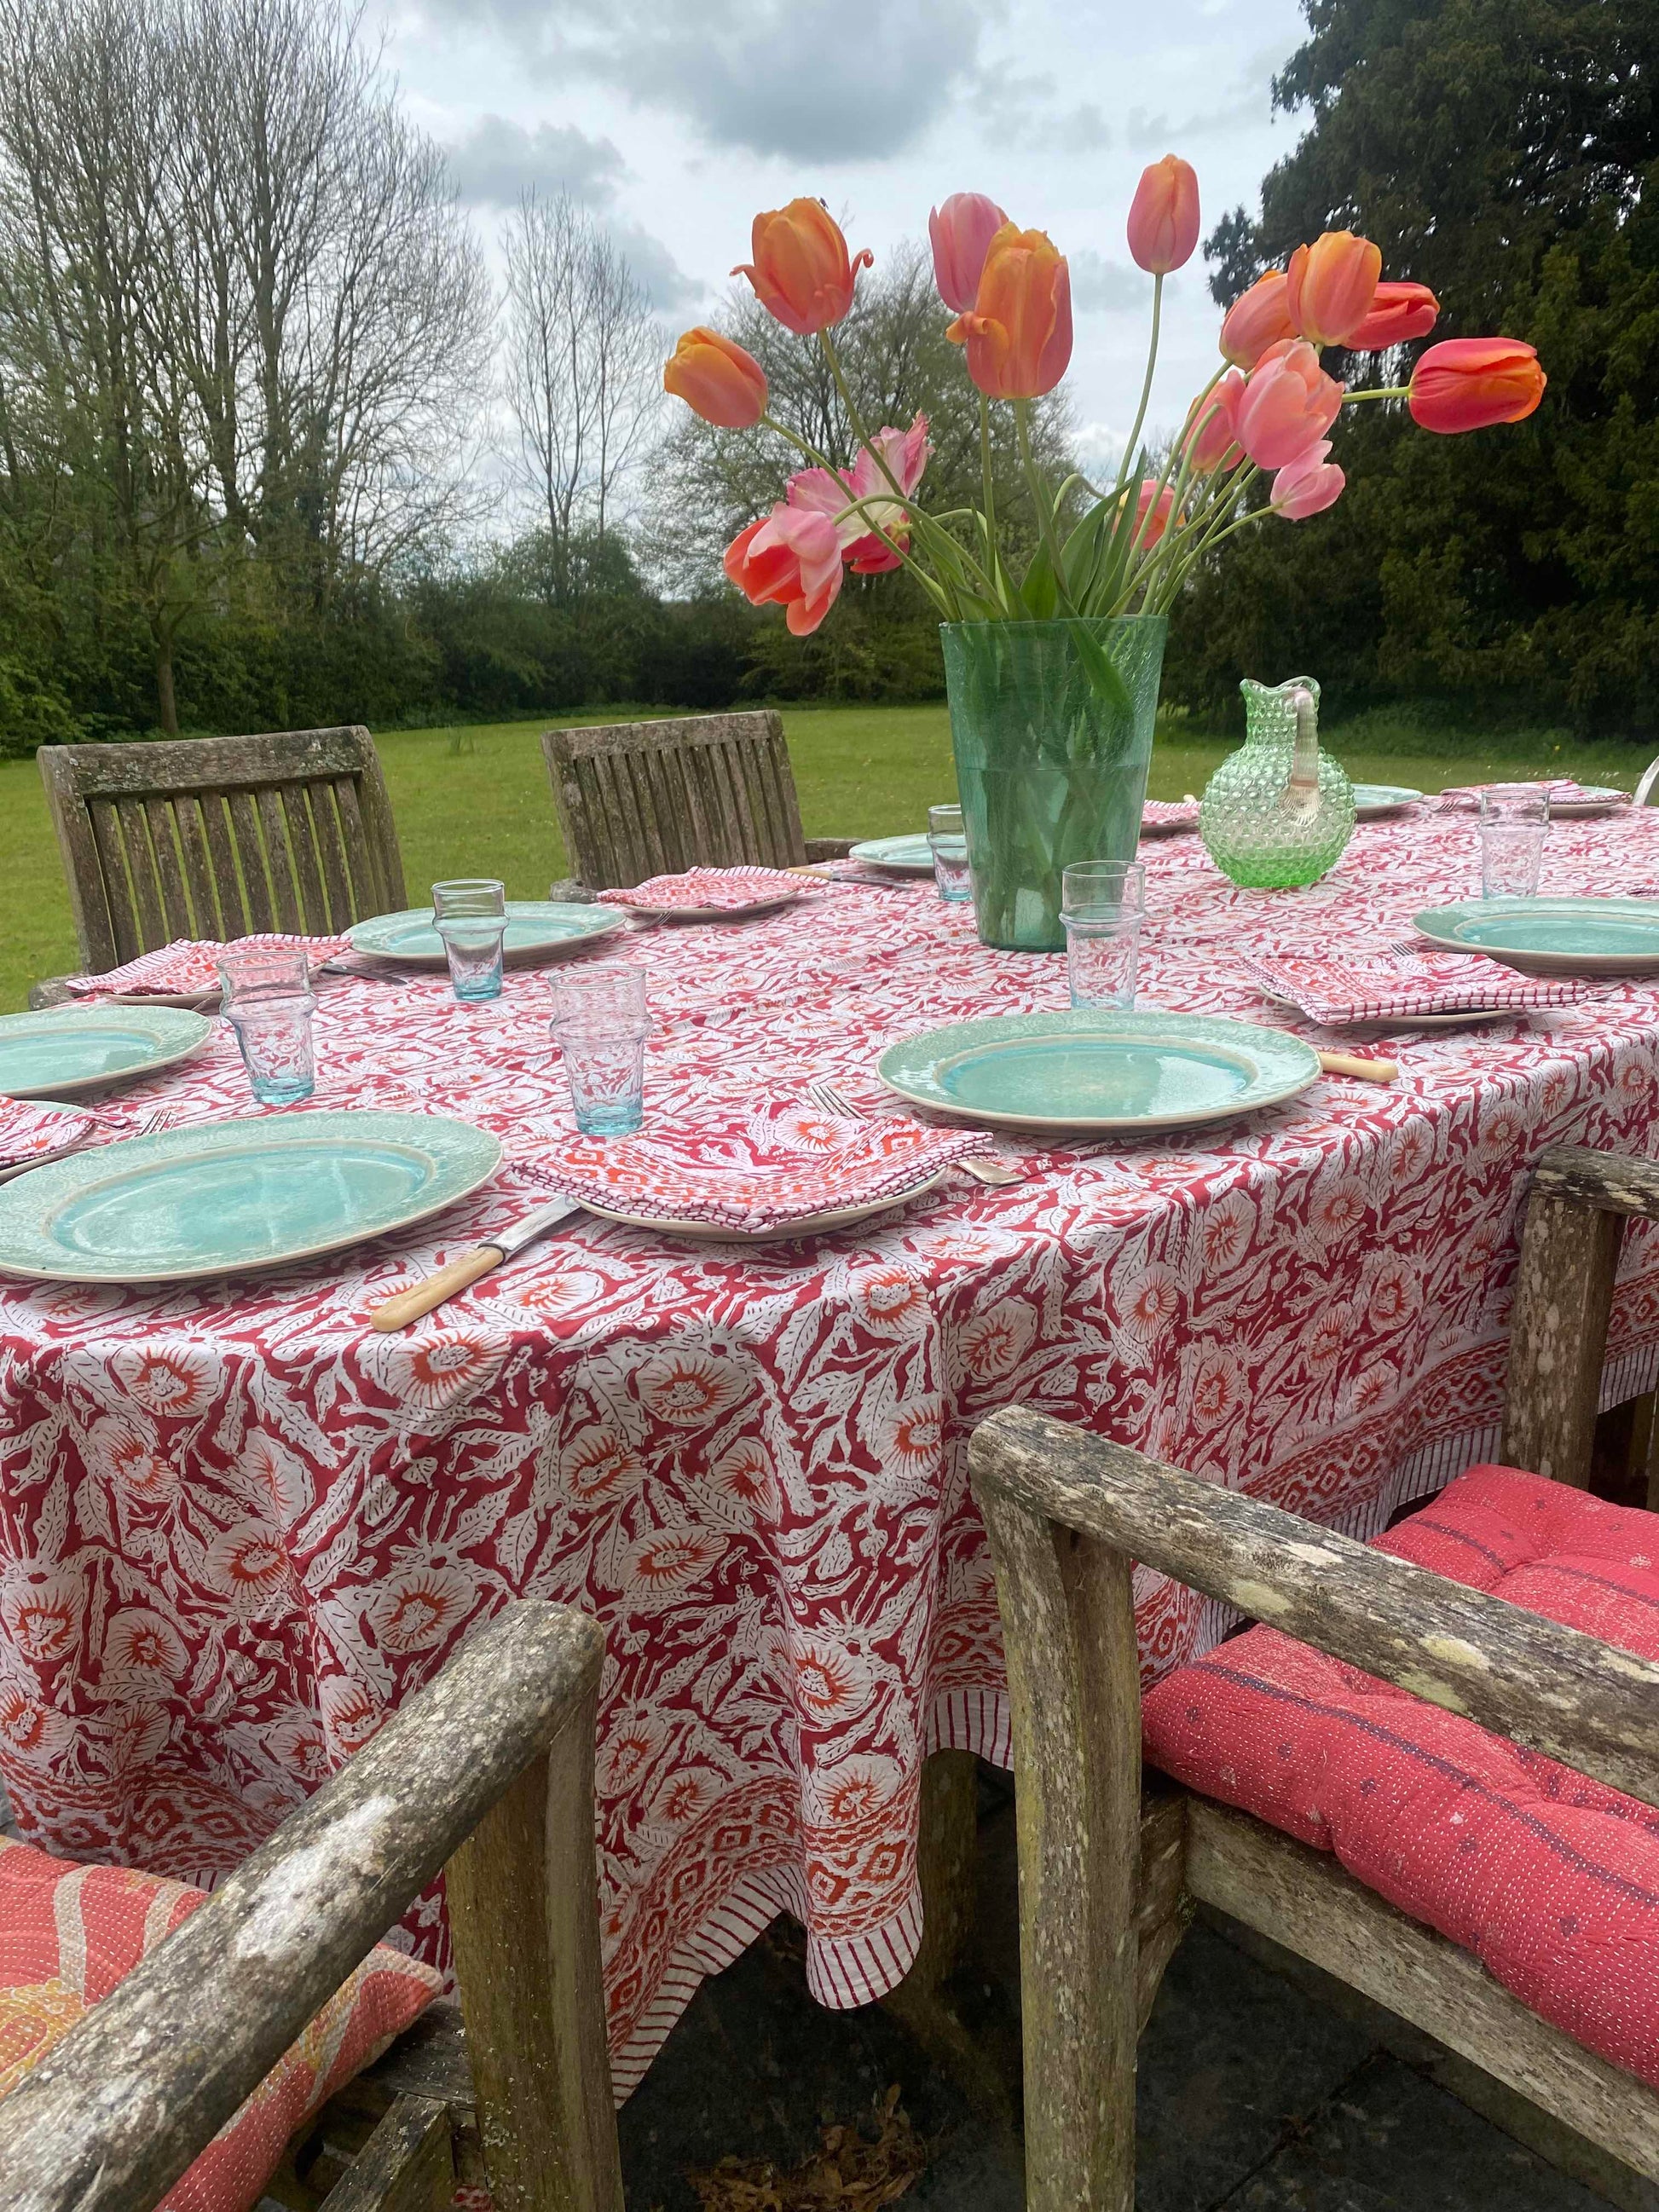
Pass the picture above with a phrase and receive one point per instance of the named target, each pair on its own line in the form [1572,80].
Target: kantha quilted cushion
[68,1934]
[1551,1879]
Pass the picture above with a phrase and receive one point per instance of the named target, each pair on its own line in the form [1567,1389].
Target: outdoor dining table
[238,1526]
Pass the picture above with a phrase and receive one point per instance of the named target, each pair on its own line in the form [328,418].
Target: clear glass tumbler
[600,1024]
[470,915]
[268,1001]
[1102,906]
[948,841]
[1514,820]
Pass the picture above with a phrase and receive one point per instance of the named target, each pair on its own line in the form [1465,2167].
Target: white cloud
[1113,287]
[498,159]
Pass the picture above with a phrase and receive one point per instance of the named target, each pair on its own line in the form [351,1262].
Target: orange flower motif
[418,1610]
[42,1614]
[688,1388]
[599,1464]
[801,273]
[249,1565]
[1019,335]
[141,1650]
[1331,286]
[351,1713]
[671,1559]
[831,1682]
[717,378]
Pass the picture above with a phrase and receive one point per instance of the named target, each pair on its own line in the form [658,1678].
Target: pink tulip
[1212,435]
[1164,216]
[961,230]
[1399,312]
[1150,529]
[1288,405]
[1258,319]
[791,558]
[907,453]
[1307,486]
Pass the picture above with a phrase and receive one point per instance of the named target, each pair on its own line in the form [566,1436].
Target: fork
[840,1108]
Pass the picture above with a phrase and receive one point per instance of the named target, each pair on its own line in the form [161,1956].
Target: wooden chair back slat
[643,799]
[219,836]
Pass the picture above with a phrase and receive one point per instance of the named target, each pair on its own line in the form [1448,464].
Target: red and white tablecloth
[237,1526]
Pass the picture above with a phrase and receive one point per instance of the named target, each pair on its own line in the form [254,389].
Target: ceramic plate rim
[1076,1021]
[1534,961]
[1392,799]
[601,920]
[866,855]
[165,1142]
[769,903]
[814,1224]
[72,1086]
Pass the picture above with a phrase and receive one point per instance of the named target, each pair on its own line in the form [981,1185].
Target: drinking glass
[268,1001]
[471,915]
[1514,820]
[948,841]
[1103,905]
[600,1024]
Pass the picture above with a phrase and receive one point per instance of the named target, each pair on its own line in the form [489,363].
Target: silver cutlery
[409,1305]
[840,1108]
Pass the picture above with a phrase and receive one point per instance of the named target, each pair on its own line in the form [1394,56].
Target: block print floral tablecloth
[237,1526]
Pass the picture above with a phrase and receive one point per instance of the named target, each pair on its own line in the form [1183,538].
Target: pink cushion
[1551,1879]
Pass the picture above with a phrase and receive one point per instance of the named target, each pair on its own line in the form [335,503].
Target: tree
[582,350]
[1505,153]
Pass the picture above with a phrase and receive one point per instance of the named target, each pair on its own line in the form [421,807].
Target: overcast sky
[677,119]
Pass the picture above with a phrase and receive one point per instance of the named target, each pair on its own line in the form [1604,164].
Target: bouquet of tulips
[1267,410]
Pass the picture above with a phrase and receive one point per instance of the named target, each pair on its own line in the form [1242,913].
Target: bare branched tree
[583,351]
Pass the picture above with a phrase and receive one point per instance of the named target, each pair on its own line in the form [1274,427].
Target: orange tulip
[1163,215]
[1257,319]
[1399,312]
[1019,335]
[1332,284]
[801,271]
[717,379]
[1468,383]
[1153,508]
[1208,440]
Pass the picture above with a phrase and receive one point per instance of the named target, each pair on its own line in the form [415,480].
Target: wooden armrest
[829,848]
[1582,1701]
[1612,1182]
[52,990]
[113,2115]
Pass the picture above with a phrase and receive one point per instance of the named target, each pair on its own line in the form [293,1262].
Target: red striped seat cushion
[1551,1879]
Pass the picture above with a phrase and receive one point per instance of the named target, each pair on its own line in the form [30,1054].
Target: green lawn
[473,801]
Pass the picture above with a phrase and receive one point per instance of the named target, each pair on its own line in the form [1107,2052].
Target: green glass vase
[1051,723]
[1279,812]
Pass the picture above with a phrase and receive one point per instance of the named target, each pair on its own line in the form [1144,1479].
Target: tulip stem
[1045,512]
[1126,467]
[1381,391]
[985,465]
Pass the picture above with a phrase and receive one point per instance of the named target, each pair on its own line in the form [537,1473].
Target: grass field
[475,801]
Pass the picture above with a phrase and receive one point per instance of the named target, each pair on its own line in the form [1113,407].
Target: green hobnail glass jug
[1279,812]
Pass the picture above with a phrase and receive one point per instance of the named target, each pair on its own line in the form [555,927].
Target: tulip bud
[1468,384]
[1019,335]
[801,273]
[1399,312]
[1258,319]
[717,379]
[1163,215]
[960,232]
[1307,486]
[1332,284]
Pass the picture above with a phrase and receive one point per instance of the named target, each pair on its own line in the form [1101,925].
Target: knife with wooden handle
[409,1305]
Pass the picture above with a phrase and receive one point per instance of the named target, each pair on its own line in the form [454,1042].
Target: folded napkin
[1163,817]
[31,1130]
[726,891]
[1335,990]
[1458,795]
[748,1170]
[189,966]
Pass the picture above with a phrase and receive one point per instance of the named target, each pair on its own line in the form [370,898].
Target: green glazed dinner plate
[1591,798]
[1551,936]
[1372,799]
[235,1195]
[907,856]
[1093,1068]
[537,929]
[73,1049]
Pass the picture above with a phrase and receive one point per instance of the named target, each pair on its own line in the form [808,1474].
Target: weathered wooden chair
[1645,787]
[217,837]
[651,798]
[1107,1877]
[488,1774]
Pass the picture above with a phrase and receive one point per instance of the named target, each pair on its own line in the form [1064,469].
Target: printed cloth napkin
[1335,991]
[749,1170]
[1457,795]
[31,1130]
[719,890]
[189,966]
[1163,818]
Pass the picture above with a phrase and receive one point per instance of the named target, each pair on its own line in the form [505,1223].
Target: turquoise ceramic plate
[1372,799]
[1593,798]
[235,1195]
[1551,936]
[1095,1069]
[74,1048]
[907,856]
[537,929]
